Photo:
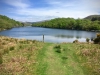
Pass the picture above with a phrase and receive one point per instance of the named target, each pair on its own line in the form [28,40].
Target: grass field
[27,57]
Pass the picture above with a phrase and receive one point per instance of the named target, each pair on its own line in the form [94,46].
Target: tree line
[70,23]
[7,23]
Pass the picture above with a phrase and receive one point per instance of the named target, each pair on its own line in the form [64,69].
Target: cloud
[17,3]
[61,3]
[93,5]
[26,11]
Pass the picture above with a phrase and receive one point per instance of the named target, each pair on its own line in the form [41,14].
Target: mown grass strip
[42,65]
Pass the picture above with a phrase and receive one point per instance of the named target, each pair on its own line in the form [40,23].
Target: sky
[38,10]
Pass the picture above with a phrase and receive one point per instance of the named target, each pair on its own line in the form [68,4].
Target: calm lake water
[50,35]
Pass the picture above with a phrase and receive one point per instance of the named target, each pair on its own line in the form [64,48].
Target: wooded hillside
[7,23]
[70,23]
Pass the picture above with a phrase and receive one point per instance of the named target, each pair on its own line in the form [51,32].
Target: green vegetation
[97,40]
[7,23]
[30,57]
[87,40]
[58,48]
[70,23]
[76,41]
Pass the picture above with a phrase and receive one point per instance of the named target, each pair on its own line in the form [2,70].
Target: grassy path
[53,63]
[55,67]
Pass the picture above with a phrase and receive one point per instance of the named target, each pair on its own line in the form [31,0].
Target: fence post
[43,38]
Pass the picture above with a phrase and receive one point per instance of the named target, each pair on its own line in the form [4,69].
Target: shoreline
[69,29]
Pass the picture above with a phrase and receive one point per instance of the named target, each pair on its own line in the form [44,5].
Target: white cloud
[17,3]
[57,8]
[93,5]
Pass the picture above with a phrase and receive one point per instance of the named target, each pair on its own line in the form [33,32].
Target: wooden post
[43,38]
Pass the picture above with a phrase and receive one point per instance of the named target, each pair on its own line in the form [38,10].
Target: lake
[50,35]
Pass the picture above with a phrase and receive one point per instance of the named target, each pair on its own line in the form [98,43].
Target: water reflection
[64,36]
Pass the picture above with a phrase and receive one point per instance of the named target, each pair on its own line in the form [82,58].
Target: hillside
[70,23]
[93,17]
[7,23]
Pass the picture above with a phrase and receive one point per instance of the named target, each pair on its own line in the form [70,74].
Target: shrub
[98,35]
[12,48]
[58,48]
[87,40]
[97,40]
[76,41]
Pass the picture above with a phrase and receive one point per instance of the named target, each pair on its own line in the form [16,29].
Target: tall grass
[89,56]
[17,56]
